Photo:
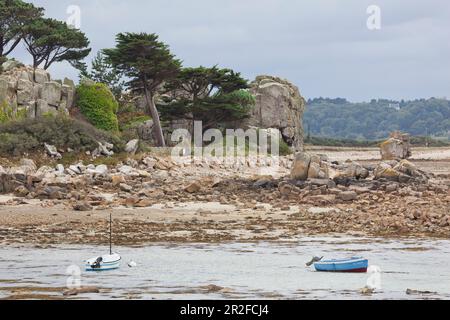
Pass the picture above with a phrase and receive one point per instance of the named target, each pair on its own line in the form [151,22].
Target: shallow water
[245,270]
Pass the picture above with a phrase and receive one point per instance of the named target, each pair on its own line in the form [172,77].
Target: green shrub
[285,150]
[3,59]
[7,113]
[98,105]
[29,135]
[17,144]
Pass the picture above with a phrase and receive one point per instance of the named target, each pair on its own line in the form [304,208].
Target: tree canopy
[143,59]
[147,63]
[211,95]
[14,16]
[103,72]
[49,40]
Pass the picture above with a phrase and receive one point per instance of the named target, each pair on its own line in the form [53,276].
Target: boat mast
[110,233]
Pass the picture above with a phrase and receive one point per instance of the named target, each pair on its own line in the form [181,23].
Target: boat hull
[108,262]
[352,265]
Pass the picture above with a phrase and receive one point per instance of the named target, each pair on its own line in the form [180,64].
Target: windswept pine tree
[49,41]
[148,63]
[211,95]
[14,16]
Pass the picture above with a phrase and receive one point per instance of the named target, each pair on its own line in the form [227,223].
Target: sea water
[257,270]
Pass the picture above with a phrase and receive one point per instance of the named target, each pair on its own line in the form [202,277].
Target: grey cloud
[323,45]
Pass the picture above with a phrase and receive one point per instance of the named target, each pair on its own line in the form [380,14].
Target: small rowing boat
[353,264]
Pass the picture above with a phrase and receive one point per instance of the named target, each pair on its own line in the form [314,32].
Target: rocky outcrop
[308,166]
[403,171]
[397,147]
[132,146]
[348,170]
[278,105]
[31,93]
[314,168]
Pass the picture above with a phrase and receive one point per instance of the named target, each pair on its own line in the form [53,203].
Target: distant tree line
[375,120]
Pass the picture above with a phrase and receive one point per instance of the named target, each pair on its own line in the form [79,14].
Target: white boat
[106,262]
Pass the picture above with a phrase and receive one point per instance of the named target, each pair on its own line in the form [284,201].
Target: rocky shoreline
[159,200]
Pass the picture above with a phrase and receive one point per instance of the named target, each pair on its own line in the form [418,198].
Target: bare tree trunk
[157,129]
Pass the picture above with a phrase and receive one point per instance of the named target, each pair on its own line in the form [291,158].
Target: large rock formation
[31,93]
[397,147]
[278,105]
[309,166]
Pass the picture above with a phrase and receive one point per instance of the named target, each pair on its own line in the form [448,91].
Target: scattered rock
[144,203]
[193,187]
[82,206]
[83,290]
[132,146]
[117,180]
[262,183]
[28,163]
[126,170]
[301,165]
[21,192]
[318,210]
[323,182]
[367,291]
[307,166]
[60,169]
[418,292]
[52,151]
[212,288]
[348,195]
[392,187]
[385,171]
[149,162]
[397,147]
[125,187]
[104,149]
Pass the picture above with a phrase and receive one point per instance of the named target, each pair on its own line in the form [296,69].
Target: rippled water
[245,270]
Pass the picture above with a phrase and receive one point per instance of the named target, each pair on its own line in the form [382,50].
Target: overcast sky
[323,46]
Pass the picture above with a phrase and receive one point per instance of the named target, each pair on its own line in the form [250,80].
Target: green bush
[29,135]
[7,113]
[98,105]
[3,59]
[17,144]
[285,150]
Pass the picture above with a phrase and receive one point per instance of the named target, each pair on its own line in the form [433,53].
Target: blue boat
[353,264]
